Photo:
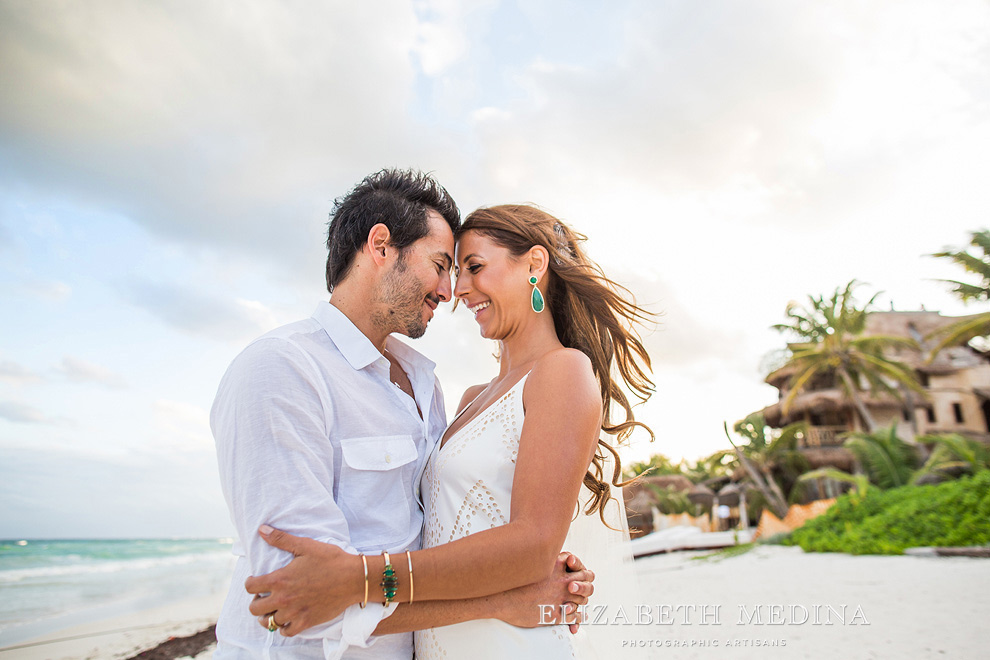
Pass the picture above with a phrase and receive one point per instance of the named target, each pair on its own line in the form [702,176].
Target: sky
[167,170]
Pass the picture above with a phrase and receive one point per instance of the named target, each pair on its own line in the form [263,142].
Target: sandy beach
[912,607]
[124,636]
[752,605]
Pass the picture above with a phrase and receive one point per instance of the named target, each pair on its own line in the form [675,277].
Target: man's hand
[315,587]
[569,586]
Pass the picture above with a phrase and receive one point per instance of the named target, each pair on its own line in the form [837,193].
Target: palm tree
[761,477]
[774,452]
[978,264]
[707,468]
[832,337]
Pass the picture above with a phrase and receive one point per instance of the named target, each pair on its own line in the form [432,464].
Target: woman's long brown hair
[591,313]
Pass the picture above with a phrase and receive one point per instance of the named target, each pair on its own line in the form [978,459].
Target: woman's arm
[527,607]
[559,435]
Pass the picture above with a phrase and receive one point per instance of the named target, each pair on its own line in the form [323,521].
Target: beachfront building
[956,385]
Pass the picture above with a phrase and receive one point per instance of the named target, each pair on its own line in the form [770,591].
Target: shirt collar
[355,346]
[408,355]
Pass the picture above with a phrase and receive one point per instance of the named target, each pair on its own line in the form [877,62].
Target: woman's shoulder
[470,394]
[565,368]
[563,359]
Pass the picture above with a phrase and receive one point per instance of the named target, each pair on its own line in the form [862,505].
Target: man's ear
[378,243]
[539,261]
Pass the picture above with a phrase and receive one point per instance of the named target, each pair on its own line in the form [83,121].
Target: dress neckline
[484,413]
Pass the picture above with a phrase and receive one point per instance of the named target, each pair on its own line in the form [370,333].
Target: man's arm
[276,465]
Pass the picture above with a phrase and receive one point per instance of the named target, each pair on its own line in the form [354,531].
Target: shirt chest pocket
[375,495]
[381,452]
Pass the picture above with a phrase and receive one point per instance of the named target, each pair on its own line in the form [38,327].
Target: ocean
[47,585]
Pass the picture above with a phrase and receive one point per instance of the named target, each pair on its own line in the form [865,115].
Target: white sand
[916,607]
[124,636]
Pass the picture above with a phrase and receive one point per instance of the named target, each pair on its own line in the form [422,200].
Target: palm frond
[981,239]
[798,382]
[887,459]
[859,481]
[960,332]
[970,263]
[896,371]
[978,265]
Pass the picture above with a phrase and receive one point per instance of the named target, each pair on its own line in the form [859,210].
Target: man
[323,426]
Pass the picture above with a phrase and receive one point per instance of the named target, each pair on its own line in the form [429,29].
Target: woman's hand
[315,587]
[552,601]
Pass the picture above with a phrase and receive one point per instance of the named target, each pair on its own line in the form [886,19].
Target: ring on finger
[272,625]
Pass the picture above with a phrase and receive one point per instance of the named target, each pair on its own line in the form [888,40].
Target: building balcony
[824,436]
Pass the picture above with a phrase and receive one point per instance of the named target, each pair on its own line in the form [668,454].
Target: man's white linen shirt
[314,439]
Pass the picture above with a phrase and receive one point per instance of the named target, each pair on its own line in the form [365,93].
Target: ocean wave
[10,576]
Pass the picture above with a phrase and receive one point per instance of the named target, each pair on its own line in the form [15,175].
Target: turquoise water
[46,585]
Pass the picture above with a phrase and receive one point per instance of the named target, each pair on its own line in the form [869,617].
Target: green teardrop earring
[537,300]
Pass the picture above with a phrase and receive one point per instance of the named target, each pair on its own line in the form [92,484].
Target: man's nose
[443,291]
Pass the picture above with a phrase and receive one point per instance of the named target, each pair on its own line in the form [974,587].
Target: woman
[500,488]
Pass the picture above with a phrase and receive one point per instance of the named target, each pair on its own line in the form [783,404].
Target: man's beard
[400,306]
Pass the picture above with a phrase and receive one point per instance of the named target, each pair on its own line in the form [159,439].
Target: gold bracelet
[390,582]
[409,559]
[365,561]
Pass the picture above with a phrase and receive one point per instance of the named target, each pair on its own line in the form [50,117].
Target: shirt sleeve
[271,421]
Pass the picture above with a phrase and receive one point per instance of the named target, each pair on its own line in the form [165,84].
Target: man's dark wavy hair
[398,199]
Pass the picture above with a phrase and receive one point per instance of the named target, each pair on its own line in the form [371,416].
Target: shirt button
[388,458]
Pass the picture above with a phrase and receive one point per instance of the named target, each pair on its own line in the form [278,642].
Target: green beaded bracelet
[390,581]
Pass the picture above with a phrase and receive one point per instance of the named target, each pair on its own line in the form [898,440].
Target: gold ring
[272,626]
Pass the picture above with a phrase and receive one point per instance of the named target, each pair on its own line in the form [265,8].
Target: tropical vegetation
[831,343]
[886,460]
[954,513]
[932,490]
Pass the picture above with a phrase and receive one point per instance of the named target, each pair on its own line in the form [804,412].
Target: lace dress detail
[467,488]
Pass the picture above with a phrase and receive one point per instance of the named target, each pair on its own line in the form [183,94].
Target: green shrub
[953,513]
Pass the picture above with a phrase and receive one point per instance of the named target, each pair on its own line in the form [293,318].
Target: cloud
[80,371]
[54,494]
[181,425]
[196,312]
[49,290]
[778,105]
[441,39]
[219,127]
[678,338]
[17,374]
[22,413]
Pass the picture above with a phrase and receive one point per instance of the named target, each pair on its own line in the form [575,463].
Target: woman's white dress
[467,488]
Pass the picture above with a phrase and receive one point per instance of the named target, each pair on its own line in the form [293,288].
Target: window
[923,379]
[957,411]
[931,414]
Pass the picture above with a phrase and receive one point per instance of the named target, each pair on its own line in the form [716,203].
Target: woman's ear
[378,243]
[539,261]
